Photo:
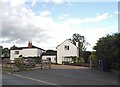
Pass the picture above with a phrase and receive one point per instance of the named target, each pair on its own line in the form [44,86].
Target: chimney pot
[30,44]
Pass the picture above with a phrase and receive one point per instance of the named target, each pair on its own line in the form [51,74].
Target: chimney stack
[30,44]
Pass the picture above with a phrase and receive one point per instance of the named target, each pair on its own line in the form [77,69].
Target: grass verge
[7,69]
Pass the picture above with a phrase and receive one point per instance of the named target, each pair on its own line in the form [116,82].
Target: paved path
[67,67]
[64,76]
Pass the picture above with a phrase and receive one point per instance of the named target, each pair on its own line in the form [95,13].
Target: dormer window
[66,47]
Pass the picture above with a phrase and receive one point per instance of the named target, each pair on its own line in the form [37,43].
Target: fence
[45,64]
[8,63]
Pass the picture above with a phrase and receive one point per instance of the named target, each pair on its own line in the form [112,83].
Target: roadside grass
[7,69]
[14,69]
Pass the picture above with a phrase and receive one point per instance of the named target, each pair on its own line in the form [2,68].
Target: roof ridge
[66,40]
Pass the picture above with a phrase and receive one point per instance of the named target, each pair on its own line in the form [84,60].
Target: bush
[114,66]
[19,62]
[37,59]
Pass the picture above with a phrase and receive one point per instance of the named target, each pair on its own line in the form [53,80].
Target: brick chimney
[13,47]
[30,44]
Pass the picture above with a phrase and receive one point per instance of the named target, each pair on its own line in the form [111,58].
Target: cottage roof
[29,46]
[64,41]
[20,48]
[50,53]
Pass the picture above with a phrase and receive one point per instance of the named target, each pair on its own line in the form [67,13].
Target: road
[13,79]
[60,77]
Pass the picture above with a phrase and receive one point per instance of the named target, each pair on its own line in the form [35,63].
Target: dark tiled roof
[20,48]
[51,53]
[38,48]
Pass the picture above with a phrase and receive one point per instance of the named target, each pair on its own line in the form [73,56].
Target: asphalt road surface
[58,77]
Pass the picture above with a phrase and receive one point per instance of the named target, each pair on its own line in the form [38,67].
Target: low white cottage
[51,55]
[29,51]
[65,50]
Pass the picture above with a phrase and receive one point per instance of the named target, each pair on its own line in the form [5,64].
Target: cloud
[33,3]
[63,17]
[45,13]
[92,34]
[117,12]
[97,18]
[77,21]
[15,3]
[70,4]
[20,24]
[58,1]
[55,1]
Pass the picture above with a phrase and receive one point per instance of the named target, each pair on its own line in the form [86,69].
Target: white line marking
[49,83]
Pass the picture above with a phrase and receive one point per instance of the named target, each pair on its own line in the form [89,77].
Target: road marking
[49,83]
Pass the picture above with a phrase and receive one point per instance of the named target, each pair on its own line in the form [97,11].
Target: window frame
[16,52]
[66,47]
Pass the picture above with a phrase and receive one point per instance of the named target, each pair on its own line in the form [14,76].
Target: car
[29,63]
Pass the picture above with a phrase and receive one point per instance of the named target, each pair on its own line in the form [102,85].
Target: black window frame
[16,52]
[66,47]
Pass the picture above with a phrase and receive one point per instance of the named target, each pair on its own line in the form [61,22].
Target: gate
[46,63]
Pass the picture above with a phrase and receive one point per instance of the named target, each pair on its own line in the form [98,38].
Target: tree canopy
[6,52]
[108,47]
[82,44]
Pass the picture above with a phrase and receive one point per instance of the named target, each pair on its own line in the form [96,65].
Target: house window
[16,52]
[48,58]
[66,48]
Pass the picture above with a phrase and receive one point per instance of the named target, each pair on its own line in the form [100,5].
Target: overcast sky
[47,24]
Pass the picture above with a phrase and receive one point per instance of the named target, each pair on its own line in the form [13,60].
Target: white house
[50,54]
[29,51]
[65,50]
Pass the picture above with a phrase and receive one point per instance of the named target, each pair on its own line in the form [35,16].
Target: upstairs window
[66,47]
[16,52]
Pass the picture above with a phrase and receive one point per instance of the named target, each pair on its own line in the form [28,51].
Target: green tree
[108,47]
[82,44]
[6,52]
[86,55]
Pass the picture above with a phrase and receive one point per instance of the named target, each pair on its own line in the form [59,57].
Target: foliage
[74,59]
[86,55]
[81,41]
[36,58]
[108,48]
[82,44]
[6,52]
[19,62]
[7,69]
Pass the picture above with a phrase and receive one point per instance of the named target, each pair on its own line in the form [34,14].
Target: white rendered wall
[30,52]
[13,55]
[61,52]
[52,58]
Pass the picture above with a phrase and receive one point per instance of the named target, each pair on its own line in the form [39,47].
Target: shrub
[37,59]
[19,62]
